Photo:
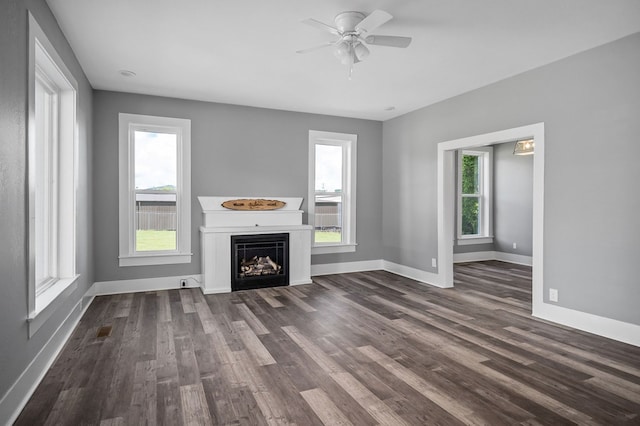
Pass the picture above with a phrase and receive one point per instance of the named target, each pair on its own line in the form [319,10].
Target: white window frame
[52,179]
[128,124]
[348,143]
[485,222]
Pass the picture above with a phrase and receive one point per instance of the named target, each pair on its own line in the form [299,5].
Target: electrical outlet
[183,283]
[553,295]
[434,263]
[515,246]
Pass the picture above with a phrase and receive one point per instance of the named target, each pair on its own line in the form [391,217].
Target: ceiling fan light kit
[353,30]
[361,51]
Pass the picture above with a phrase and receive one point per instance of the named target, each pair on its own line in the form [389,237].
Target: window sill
[338,248]
[474,240]
[155,259]
[49,301]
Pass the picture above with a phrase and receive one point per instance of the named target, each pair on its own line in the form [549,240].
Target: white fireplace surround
[219,224]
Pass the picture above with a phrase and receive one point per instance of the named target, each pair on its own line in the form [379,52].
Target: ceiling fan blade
[314,48]
[321,26]
[391,41]
[373,21]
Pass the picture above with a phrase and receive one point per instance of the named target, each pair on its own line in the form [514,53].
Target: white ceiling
[244,51]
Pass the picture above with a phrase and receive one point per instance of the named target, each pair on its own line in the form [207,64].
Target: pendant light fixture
[524,147]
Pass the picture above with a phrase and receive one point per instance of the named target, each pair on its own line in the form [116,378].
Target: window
[155,190]
[52,178]
[474,196]
[332,191]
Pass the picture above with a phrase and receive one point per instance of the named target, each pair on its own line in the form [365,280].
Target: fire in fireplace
[259,261]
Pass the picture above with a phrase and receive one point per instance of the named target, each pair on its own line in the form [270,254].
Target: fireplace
[259,261]
[220,225]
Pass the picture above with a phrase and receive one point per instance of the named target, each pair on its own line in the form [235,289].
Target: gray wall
[236,150]
[17,350]
[512,201]
[590,104]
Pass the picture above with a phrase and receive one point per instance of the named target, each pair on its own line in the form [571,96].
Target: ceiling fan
[353,30]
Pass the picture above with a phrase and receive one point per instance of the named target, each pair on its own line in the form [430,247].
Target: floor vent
[104,331]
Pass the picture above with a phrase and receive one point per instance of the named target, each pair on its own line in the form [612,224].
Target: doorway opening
[447,200]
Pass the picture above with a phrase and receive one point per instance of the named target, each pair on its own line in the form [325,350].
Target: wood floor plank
[147,321]
[207,319]
[370,402]
[326,282]
[477,340]
[168,406]
[118,421]
[448,403]
[560,346]
[65,410]
[620,387]
[270,404]
[224,356]
[253,344]
[195,411]
[164,306]
[272,301]
[439,310]
[124,306]
[324,408]
[187,364]
[187,301]
[144,397]
[363,348]
[469,359]
[296,291]
[251,319]
[166,362]
[300,303]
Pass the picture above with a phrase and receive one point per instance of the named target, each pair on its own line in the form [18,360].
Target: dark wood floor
[364,348]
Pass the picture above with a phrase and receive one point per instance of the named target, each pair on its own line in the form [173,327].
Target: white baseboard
[475,256]
[214,291]
[375,265]
[413,273]
[605,327]
[18,395]
[144,284]
[518,259]
[481,256]
[346,267]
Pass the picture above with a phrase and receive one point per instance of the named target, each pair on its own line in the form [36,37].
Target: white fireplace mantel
[219,224]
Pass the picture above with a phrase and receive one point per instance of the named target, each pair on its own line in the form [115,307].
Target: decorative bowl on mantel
[254,204]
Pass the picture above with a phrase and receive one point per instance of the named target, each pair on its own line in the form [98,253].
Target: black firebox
[259,261]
